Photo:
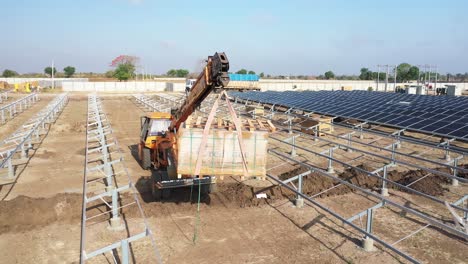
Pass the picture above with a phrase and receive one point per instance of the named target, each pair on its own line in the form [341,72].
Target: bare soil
[40,215]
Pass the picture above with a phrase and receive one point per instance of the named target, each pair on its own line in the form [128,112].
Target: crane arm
[215,74]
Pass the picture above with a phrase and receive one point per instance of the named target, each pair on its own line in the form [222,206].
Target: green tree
[171,73]
[69,71]
[251,72]
[262,75]
[242,71]
[48,71]
[366,74]
[407,72]
[381,76]
[177,73]
[9,73]
[413,73]
[329,75]
[124,71]
[182,73]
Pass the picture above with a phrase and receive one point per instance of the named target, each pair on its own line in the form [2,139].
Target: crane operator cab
[155,134]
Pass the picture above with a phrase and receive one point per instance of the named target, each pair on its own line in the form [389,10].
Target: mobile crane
[158,147]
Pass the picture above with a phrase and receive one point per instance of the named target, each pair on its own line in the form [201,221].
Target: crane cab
[154,136]
[153,127]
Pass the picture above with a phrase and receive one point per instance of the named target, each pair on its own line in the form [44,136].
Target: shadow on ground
[177,195]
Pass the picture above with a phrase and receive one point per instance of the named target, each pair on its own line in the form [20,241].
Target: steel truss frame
[10,110]
[301,113]
[451,164]
[103,166]
[30,133]
[392,161]
[151,104]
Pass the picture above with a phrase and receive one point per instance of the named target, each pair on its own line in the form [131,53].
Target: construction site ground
[40,213]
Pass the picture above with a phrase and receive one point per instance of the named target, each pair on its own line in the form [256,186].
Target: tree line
[68,72]
[404,72]
[125,69]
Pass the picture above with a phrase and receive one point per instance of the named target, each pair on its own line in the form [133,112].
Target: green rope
[197,223]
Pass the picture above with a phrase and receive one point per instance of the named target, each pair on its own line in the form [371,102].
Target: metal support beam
[106,152]
[427,218]
[21,141]
[10,110]
[330,160]
[435,199]
[339,217]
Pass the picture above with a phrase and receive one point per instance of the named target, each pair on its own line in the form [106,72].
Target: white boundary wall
[58,81]
[316,85]
[130,86]
[265,85]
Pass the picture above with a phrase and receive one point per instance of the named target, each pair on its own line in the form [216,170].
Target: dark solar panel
[442,115]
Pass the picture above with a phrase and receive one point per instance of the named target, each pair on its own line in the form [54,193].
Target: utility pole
[429,75]
[394,81]
[386,77]
[426,75]
[419,74]
[378,77]
[435,84]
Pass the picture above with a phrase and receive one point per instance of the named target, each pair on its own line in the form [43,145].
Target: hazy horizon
[274,37]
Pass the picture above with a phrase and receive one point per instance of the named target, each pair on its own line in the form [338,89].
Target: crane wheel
[146,159]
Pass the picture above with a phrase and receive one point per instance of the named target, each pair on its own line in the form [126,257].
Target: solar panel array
[440,115]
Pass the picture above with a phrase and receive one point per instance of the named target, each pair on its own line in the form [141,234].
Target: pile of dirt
[314,183]
[25,213]
[462,174]
[432,184]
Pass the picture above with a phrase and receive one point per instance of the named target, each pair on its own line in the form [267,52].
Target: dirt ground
[40,214]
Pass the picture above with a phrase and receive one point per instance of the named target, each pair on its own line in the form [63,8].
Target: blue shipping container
[243,77]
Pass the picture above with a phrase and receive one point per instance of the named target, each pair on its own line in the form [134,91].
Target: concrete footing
[330,170]
[349,150]
[384,192]
[361,136]
[447,157]
[398,145]
[368,244]
[454,182]
[299,202]
[116,224]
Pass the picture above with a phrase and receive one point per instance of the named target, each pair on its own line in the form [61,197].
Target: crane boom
[214,75]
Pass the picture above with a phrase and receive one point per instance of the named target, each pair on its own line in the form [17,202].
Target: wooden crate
[222,155]
[324,124]
[227,124]
[259,110]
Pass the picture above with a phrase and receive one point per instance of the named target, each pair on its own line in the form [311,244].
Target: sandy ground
[45,228]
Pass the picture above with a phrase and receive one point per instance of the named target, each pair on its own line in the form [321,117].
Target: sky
[278,37]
